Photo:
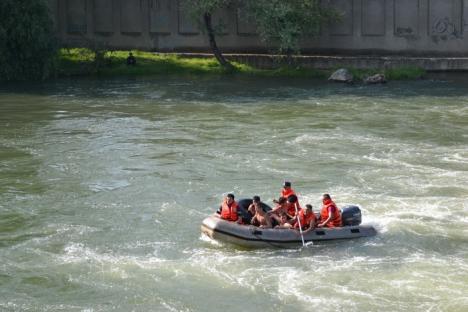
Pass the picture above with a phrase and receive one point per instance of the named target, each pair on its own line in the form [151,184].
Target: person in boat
[278,210]
[306,218]
[330,215]
[286,191]
[292,206]
[255,201]
[284,222]
[260,218]
[229,209]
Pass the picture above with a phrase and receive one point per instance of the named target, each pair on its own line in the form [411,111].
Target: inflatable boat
[254,237]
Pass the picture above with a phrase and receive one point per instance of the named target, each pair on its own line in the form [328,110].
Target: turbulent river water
[104,184]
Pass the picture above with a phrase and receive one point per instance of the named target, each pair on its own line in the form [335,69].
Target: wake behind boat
[255,237]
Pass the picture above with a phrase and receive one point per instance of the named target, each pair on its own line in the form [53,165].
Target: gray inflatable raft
[255,237]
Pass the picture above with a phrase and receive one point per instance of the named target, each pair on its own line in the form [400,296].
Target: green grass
[82,62]
[405,73]
[78,61]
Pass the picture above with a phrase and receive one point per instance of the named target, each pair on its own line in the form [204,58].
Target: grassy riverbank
[84,62]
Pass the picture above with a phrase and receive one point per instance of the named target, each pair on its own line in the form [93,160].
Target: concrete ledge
[267,61]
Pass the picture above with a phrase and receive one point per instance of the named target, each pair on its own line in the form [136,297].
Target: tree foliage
[199,7]
[280,23]
[27,43]
[284,23]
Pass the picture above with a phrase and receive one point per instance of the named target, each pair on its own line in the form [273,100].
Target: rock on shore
[341,75]
[374,79]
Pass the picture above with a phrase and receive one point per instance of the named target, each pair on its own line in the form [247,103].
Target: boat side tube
[252,236]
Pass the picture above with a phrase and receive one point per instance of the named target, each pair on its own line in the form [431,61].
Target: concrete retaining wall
[267,61]
[410,27]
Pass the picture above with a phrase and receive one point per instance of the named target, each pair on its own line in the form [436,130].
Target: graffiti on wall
[444,26]
[444,29]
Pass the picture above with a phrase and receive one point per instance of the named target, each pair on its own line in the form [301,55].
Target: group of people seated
[287,214]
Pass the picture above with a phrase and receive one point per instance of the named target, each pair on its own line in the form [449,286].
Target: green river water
[104,184]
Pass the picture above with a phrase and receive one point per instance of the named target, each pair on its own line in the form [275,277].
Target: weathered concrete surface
[267,61]
[377,27]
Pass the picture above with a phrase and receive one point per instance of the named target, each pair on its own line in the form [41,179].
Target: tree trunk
[289,57]
[211,36]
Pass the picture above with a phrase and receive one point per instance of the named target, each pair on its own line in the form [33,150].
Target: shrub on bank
[28,48]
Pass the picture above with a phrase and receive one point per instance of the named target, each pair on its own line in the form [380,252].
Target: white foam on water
[108,186]
[51,234]
[457,158]
[305,138]
[321,137]
[205,238]
[73,229]
[172,308]
[166,205]
[215,264]
[77,253]
[155,247]
[312,294]
[243,272]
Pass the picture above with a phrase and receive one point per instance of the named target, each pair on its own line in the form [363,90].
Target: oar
[300,226]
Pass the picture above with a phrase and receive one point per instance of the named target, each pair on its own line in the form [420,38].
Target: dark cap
[292,198]
[287,184]
[256,199]
[230,195]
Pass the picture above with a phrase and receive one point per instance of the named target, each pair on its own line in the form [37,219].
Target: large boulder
[374,79]
[341,75]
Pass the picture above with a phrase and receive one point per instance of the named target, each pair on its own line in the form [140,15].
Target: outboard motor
[351,215]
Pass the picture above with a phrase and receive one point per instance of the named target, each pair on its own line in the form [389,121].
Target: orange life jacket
[305,219]
[286,193]
[291,208]
[229,212]
[327,205]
